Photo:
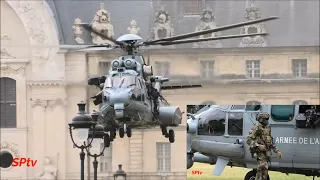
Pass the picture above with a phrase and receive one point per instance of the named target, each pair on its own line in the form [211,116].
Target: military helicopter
[130,95]
[217,135]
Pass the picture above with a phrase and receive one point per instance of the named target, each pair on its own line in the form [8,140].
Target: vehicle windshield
[121,81]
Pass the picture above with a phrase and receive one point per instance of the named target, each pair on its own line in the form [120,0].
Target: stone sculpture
[78,31]
[49,171]
[101,23]
[162,26]
[207,21]
[134,29]
[253,13]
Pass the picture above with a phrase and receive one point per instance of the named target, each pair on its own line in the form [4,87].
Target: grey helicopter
[130,95]
[216,135]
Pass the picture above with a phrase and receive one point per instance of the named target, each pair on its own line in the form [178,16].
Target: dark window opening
[235,124]
[212,123]
[6,159]
[282,113]
[8,109]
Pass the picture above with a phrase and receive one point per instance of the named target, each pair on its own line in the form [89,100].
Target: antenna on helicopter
[148,60]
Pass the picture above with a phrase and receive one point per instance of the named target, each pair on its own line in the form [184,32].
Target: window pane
[8,103]
[235,124]
[239,107]
[192,6]
[212,123]
[282,112]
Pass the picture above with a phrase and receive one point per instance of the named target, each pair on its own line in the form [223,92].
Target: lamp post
[120,174]
[97,136]
[81,124]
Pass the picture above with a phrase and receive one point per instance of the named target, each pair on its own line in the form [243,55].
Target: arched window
[253,105]
[8,103]
[300,102]
[208,103]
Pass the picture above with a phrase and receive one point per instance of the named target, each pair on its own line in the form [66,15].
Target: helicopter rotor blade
[210,39]
[93,48]
[222,28]
[89,28]
[180,87]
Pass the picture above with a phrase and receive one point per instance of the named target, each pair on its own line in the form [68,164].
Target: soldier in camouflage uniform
[261,144]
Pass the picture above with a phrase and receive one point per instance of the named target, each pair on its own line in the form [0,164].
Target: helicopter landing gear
[251,175]
[107,141]
[121,132]
[164,131]
[129,132]
[112,134]
[171,136]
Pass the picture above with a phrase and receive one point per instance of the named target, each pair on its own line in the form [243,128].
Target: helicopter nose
[119,97]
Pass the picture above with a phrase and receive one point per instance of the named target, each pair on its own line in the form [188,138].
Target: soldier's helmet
[263,117]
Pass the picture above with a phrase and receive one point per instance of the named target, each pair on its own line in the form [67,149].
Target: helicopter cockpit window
[282,113]
[235,124]
[212,123]
[253,107]
[123,81]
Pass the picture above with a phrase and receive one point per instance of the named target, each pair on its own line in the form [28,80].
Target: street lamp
[81,124]
[97,136]
[120,174]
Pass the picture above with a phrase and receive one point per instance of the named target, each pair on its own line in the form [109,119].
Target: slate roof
[298,26]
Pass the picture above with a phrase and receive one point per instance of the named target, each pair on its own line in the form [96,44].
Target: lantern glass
[95,146]
[82,134]
[119,177]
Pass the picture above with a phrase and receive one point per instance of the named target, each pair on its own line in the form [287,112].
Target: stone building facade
[43,77]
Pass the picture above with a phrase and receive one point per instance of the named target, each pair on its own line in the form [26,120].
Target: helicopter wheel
[251,175]
[129,132]
[121,132]
[171,136]
[112,135]
[107,141]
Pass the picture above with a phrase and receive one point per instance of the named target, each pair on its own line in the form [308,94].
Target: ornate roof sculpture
[162,27]
[253,13]
[101,23]
[134,29]
[207,21]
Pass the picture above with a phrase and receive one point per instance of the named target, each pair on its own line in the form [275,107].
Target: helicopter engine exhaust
[231,150]
[170,116]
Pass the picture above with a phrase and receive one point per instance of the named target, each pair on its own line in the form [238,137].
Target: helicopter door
[141,89]
[283,132]
[306,144]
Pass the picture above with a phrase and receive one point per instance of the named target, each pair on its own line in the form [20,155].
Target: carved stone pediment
[207,21]
[253,13]
[134,29]
[101,23]
[162,27]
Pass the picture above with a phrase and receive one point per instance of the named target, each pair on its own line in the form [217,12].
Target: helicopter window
[282,113]
[121,81]
[196,109]
[212,123]
[235,124]
[239,107]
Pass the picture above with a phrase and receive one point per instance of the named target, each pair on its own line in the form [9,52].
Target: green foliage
[236,174]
